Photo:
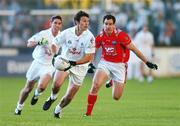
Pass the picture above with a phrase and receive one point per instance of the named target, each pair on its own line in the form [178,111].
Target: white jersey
[40,52]
[75,47]
[144,41]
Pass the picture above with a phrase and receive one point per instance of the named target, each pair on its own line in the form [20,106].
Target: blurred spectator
[158,26]
[142,17]
[3,5]
[16,33]
[122,19]
[133,64]
[157,6]
[52,4]
[168,9]
[166,33]
[5,39]
[132,27]
[14,5]
[39,4]
[145,43]
[130,15]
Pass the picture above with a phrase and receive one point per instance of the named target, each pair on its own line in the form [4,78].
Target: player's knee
[56,85]
[116,97]
[42,88]
[95,88]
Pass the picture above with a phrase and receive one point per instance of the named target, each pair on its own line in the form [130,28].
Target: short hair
[108,17]
[56,17]
[80,14]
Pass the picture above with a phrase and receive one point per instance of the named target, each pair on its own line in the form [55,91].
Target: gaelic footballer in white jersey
[41,69]
[74,47]
[42,55]
[77,47]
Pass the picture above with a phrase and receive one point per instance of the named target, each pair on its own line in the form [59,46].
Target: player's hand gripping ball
[61,64]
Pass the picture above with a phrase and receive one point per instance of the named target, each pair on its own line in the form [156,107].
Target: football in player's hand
[61,64]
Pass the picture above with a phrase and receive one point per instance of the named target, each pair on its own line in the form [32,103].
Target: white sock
[37,93]
[19,106]
[53,96]
[57,109]
[150,79]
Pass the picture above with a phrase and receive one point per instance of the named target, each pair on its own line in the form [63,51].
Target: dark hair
[56,17]
[108,17]
[80,14]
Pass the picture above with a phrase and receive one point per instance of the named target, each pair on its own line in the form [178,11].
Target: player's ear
[51,22]
[76,22]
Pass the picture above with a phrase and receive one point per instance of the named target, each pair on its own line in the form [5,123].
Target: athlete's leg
[58,80]
[67,98]
[23,95]
[117,90]
[99,79]
[43,82]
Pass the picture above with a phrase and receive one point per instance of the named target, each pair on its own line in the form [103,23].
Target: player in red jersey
[116,46]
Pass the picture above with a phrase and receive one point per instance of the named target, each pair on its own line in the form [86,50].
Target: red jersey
[114,46]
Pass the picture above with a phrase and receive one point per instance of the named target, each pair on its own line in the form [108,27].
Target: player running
[116,46]
[78,46]
[41,69]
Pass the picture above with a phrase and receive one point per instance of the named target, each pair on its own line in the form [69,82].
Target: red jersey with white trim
[114,46]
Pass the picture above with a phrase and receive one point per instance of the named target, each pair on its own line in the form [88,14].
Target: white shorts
[36,70]
[115,71]
[77,74]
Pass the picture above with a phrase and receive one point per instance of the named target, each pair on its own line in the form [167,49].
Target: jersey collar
[115,32]
[73,31]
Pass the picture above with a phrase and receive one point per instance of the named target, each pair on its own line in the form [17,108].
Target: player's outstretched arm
[34,43]
[138,53]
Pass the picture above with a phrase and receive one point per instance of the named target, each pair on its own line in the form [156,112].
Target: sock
[37,93]
[19,106]
[57,109]
[53,96]
[91,102]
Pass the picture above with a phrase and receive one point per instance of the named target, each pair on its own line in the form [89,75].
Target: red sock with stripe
[90,105]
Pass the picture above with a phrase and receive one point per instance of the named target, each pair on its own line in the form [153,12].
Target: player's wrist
[43,41]
[72,63]
[55,55]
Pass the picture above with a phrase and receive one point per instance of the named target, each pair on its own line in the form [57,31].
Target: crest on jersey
[82,44]
[69,42]
[114,42]
[92,40]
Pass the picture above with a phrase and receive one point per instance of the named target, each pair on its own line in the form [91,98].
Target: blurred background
[20,19]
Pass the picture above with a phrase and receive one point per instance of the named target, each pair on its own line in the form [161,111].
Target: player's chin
[85,28]
[57,28]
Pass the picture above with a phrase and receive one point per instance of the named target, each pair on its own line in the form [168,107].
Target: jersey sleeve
[35,38]
[97,41]
[90,47]
[124,38]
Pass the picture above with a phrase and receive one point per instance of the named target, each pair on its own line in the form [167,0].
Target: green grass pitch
[142,104]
